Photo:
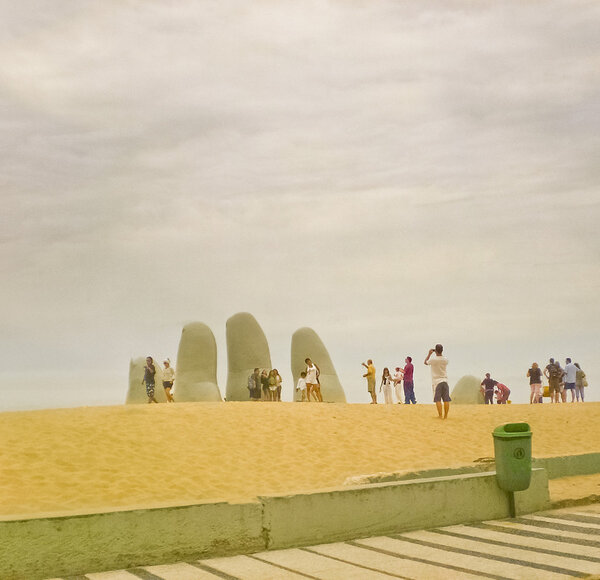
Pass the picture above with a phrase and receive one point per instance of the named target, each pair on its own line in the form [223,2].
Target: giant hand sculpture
[307,344]
[247,348]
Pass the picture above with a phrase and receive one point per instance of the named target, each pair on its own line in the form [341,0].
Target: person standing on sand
[554,374]
[301,386]
[272,385]
[580,382]
[278,381]
[398,384]
[386,385]
[370,375]
[570,380]
[535,383]
[168,380]
[149,372]
[313,387]
[264,382]
[254,385]
[409,386]
[487,388]
[439,379]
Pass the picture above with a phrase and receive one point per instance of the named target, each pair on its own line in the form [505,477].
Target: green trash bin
[512,448]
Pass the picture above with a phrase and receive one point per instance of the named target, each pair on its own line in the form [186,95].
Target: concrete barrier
[33,548]
[559,466]
[569,465]
[72,545]
[385,508]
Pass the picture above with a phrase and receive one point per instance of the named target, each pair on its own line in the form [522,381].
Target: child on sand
[301,386]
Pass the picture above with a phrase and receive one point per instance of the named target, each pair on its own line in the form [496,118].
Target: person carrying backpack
[554,374]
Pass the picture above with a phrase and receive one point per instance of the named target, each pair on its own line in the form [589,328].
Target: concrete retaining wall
[569,465]
[560,466]
[394,507]
[71,545]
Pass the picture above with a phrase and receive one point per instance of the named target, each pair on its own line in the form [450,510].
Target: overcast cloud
[391,174]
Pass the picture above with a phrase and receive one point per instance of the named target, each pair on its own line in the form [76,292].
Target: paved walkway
[556,544]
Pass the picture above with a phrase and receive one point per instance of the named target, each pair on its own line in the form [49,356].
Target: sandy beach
[101,458]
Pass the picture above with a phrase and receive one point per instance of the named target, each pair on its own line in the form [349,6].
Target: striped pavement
[549,545]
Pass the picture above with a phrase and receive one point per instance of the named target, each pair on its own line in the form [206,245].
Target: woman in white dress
[386,386]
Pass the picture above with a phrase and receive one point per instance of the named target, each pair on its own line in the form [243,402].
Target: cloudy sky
[391,174]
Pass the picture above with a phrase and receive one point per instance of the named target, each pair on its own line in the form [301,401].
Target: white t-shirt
[438,366]
[168,374]
[301,386]
[571,372]
[398,377]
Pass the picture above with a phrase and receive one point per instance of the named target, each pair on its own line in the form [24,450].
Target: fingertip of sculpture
[467,391]
[196,369]
[247,348]
[306,343]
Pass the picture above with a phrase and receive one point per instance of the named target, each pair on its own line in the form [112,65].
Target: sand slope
[94,458]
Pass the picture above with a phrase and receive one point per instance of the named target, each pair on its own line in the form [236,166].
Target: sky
[390,174]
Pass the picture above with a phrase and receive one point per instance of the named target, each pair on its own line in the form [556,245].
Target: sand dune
[95,458]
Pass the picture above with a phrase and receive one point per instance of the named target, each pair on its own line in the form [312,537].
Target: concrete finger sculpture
[247,348]
[307,344]
[136,393]
[196,370]
[467,391]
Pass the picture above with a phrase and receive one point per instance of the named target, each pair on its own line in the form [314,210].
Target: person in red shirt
[502,394]
[409,385]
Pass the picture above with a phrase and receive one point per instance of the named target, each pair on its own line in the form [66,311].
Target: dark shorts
[553,385]
[167,384]
[442,393]
[569,385]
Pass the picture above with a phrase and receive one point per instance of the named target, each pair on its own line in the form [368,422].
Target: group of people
[560,381]
[401,383]
[437,363]
[264,385]
[490,388]
[149,380]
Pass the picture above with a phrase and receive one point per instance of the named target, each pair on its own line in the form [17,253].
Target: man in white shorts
[439,379]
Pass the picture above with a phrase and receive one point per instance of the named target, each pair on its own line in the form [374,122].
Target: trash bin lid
[512,431]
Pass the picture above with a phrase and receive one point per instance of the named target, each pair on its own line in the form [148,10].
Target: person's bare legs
[317,392]
[438,405]
[446,408]
[308,391]
[373,397]
[170,398]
